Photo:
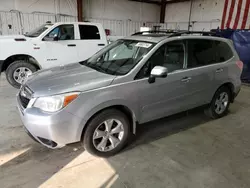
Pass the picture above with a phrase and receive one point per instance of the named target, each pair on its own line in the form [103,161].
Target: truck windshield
[119,57]
[38,31]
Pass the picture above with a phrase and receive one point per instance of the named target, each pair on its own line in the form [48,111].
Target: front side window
[170,55]
[63,32]
[89,32]
[120,57]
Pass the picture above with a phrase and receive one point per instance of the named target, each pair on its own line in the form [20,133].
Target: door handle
[186,79]
[219,70]
[71,45]
[101,44]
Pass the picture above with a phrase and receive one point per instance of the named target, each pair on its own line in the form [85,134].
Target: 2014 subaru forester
[134,80]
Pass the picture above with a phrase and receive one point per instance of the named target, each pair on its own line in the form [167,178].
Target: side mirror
[51,38]
[56,38]
[158,72]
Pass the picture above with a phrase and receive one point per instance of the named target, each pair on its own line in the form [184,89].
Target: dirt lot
[185,150]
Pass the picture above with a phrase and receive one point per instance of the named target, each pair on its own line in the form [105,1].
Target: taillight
[240,64]
[107,31]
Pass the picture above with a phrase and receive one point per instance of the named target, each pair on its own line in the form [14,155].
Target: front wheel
[107,133]
[219,104]
[18,72]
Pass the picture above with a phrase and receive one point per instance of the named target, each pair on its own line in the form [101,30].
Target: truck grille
[25,96]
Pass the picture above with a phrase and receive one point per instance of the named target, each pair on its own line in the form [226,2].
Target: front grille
[25,96]
[24,101]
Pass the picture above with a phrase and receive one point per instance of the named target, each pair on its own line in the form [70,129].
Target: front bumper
[51,130]
[1,65]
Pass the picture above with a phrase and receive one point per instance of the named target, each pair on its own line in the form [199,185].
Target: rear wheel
[18,72]
[107,133]
[219,104]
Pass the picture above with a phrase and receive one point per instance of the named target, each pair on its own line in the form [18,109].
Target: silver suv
[132,81]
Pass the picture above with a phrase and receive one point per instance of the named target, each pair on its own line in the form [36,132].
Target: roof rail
[157,32]
[203,33]
[174,33]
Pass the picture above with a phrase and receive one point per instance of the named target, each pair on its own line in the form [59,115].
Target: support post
[79,11]
[190,14]
[163,10]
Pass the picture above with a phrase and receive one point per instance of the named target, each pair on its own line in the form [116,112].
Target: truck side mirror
[47,38]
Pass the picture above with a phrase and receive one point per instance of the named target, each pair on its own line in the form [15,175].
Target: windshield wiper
[95,67]
[124,63]
[29,35]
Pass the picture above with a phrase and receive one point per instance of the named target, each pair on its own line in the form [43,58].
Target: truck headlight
[56,102]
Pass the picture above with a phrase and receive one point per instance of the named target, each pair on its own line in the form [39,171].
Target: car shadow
[36,165]
[40,163]
[157,129]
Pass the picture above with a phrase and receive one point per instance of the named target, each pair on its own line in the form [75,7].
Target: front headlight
[55,103]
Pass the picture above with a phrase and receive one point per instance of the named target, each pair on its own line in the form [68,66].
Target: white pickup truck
[48,46]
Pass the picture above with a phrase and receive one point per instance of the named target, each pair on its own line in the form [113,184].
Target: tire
[96,123]
[14,67]
[211,111]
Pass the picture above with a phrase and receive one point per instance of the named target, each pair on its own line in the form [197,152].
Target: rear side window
[206,52]
[89,32]
[200,53]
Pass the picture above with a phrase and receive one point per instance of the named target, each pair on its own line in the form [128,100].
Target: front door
[59,46]
[166,95]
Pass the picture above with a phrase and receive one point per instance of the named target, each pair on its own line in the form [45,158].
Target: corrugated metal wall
[205,14]
[18,23]
[124,27]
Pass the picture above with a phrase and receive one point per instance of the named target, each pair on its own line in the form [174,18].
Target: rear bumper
[235,94]
[237,88]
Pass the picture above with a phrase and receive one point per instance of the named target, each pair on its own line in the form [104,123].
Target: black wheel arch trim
[1,65]
[5,63]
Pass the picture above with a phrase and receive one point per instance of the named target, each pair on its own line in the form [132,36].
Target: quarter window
[223,51]
[89,32]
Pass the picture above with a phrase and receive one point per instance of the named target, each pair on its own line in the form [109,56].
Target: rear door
[200,69]
[92,38]
[225,66]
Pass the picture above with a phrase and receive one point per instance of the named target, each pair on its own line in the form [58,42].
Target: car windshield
[38,31]
[119,57]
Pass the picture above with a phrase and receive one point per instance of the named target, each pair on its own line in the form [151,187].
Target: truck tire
[107,133]
[18,71]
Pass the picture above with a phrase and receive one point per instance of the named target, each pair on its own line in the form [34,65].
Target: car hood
[69,78]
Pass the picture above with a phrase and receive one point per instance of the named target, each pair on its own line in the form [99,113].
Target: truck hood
[69,78]
[12,37]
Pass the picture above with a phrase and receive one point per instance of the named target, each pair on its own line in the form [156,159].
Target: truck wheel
[219,104]
[107,133]
[18,71]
